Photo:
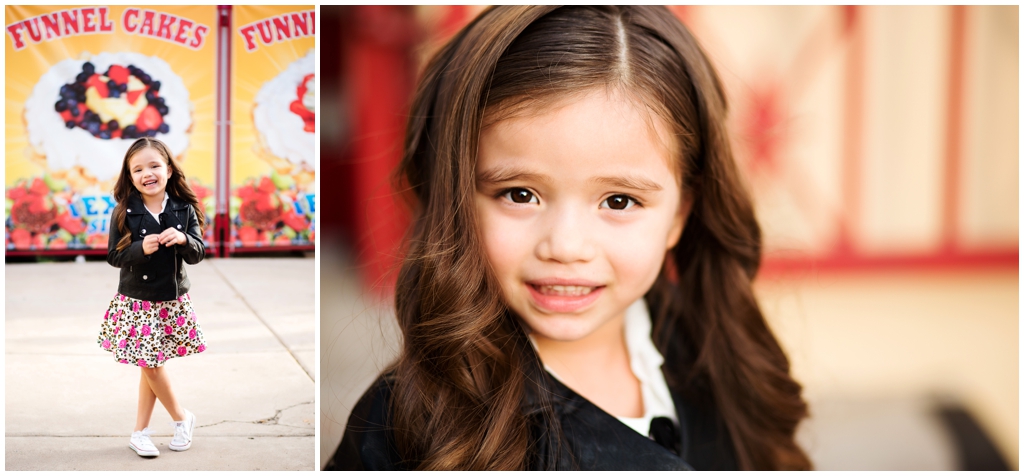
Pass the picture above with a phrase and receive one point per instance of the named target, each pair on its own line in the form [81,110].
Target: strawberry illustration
[118,74]
[149,119]
[294,220]
[94,81]
[72,225]
[132,96]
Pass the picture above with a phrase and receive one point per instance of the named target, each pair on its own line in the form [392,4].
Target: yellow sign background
[196,66]
[254,64]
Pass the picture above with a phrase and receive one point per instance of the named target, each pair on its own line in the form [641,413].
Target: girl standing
[155,228]
[576,291]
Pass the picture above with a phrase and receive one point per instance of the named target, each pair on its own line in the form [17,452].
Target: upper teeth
[566,290]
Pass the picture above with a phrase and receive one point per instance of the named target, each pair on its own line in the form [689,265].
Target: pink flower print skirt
[148,333]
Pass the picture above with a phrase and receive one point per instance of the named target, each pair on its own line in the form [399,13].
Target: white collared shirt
[645,361]
[162,207]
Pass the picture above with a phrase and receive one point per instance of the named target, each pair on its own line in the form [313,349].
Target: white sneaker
[183,432]
[141,443]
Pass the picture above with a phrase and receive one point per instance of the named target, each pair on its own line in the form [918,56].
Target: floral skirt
[147,333]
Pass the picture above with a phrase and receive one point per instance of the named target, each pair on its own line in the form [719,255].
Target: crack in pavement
[274,420]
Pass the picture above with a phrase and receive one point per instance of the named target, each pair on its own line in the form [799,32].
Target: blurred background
[881,146]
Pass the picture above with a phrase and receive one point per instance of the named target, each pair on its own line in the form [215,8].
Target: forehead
[145,156]
[600,132]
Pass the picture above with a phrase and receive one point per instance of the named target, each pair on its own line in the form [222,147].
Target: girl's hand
[150,244]
[171,237]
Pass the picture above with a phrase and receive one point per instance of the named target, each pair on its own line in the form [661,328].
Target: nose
[567,238]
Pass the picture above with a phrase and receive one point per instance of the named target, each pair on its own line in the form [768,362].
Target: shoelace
[144,435]
[179,429]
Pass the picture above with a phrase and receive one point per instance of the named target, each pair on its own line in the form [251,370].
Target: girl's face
[149,172]
[577,207]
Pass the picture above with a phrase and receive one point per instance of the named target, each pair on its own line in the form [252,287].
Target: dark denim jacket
[592,439]
[159,276]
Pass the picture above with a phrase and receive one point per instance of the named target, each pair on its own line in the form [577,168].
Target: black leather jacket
[594,439]
[159,276]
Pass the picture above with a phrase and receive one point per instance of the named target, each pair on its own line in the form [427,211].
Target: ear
[679,221]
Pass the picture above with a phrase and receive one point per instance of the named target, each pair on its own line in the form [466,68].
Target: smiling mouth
[151,182]
[563,290]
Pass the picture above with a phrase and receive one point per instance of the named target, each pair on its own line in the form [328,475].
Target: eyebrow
[509,174]
[630,181]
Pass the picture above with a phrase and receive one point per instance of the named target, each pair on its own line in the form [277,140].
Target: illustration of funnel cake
[83,114]
[285,116]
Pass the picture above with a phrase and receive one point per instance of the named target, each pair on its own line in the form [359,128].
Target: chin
[561,328]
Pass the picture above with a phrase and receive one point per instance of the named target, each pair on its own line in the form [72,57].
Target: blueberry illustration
[131,129]
[155,85]
[61,105]
[70,124]
[93,127]
[104,134]
[72,104]
[123,88]
[82,77]
[164,128]
[162,110]
[88,68]
[151,133]
[73,111]
[112,125]
[114,93]
[66,92]
[144,78]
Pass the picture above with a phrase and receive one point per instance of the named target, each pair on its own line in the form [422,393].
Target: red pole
[954,128]
[853,136]
[222,220]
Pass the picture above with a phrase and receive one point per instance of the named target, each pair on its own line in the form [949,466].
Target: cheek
[504,245]
[637,252]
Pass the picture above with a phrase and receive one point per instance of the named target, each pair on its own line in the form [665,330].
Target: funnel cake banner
[273,126]
[82,84]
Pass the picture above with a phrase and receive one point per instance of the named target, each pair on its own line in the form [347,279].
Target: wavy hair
[463,375]
[176,186]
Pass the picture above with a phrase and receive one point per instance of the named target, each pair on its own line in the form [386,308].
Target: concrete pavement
[70,406]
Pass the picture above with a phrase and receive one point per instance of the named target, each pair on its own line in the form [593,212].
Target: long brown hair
[463,375]
[176,186]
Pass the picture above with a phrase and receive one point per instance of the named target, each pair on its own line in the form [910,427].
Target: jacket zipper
[175,277]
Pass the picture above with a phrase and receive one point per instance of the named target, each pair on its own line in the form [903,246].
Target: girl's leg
[147,400]
[161,386]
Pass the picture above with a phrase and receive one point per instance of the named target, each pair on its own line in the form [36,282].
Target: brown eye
[520,195]
[619,202]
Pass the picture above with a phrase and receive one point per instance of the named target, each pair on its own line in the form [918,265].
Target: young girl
[576,292]
[156,225]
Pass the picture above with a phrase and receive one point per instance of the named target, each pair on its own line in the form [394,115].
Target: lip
[563,304]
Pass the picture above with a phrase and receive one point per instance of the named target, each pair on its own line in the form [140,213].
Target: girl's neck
[155,204]
[603,347]
[597,367]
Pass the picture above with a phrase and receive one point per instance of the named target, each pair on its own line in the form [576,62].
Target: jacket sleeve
[193,251]
[368,443]
[132,255]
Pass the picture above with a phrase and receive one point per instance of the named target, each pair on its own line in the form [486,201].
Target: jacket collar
[136,207]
